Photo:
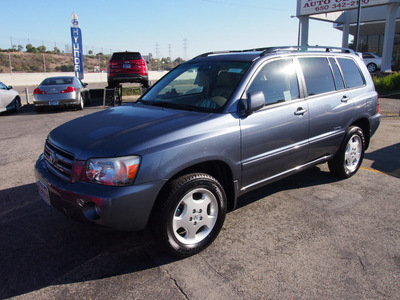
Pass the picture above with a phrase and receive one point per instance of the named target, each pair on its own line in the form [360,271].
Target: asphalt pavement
[309,236]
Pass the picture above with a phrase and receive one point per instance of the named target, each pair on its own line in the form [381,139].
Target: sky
[182,28]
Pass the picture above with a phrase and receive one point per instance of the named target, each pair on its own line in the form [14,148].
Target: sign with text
[312,7]
[77,50]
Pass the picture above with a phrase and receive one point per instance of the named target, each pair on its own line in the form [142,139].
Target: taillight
[112,63]
[37,91]
[69,89]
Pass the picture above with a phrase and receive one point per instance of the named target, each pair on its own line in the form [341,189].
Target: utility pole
[185,47]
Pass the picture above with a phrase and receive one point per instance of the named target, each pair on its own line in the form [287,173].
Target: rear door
[275,138]
[330,104]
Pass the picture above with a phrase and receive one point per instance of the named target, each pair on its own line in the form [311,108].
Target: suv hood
[120,131]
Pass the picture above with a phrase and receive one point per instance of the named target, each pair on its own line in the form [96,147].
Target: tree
[41,49]
[30,48]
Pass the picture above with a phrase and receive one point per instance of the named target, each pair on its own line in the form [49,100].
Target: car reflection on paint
[62,91]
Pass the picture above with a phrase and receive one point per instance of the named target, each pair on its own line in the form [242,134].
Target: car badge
[53,158]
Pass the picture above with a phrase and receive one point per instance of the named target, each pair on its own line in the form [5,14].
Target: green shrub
[387,84]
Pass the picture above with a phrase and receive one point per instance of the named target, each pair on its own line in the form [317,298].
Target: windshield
[198,86]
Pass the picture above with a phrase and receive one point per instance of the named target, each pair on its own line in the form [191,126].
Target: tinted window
[57,81]
[351,73]
[367,55]
[317,74]
[336,72]
[278,81]
[126,56]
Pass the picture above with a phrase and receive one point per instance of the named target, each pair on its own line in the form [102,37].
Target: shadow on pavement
[41,247]
[386,160]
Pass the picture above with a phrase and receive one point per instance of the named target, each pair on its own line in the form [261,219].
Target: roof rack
[268,50]
[304,48]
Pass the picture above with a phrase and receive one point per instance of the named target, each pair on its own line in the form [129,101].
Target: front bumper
[121,208]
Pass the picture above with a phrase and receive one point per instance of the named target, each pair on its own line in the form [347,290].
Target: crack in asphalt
[175,283]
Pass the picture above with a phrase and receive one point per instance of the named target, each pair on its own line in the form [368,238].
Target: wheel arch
[364,125]
[217,169]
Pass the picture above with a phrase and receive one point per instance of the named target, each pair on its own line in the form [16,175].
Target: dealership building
[379,24]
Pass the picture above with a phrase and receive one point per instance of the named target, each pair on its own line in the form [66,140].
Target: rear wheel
[17,104]
[350,155]
[190,214]
[372,67]
[81,103]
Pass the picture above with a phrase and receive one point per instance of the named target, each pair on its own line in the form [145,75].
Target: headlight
[117,171]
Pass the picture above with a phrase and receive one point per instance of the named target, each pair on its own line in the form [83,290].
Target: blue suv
[212,129]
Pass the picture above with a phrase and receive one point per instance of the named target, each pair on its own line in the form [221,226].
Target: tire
[189,214]
[81,103]
[17,104]
[372,67]
[350,155]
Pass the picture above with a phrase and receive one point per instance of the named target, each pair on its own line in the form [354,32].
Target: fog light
[91,211]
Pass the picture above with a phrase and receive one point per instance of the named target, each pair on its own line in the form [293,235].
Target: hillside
[36,62]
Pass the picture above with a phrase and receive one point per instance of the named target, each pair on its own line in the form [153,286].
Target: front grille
[58,161]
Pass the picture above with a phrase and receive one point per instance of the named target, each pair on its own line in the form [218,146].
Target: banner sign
[312,7]
[77,50]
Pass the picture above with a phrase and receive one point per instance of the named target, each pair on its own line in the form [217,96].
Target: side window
[278,81]
[351,73]
[2,86]
[336,72]
[317,74]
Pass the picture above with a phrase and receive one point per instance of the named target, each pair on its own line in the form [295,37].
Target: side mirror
[10,87]
[255,101]
[85,84]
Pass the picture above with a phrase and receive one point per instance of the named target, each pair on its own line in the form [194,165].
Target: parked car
[127,67]
[372,60]
[68,91]
[9,98]
[212,129]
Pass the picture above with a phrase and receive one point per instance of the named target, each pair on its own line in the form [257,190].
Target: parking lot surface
[309,236]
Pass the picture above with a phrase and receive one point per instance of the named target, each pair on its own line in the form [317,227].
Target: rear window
[317,74]
[57,81]
[126,56]
[351,73]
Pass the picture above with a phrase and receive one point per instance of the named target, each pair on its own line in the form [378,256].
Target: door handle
[300,111]
[345,99]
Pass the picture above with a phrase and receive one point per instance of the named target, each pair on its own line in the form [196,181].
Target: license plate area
[127,66]
[43,191]
[54,102]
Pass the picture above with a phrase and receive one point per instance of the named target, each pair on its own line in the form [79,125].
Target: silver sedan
[61,91]
[9,98]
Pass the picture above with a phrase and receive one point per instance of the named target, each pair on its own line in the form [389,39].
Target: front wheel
[350,155]
[189,214]
[17,104]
